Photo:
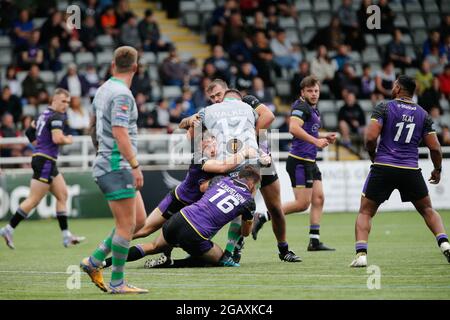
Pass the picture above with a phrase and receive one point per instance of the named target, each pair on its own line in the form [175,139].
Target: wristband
[438,169]
[134,163]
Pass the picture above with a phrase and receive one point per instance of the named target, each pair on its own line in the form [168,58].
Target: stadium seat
[370,39]
[66,57]
[413,6]
[430,6]
[5,42]
[327,106]
[306,20]
[445,105]
[445,7]
[38,22]
[411,72]
[407,39]
[171,92]
[292,35]
[383,39]
[47,76]
[29,110]
[307,35]
[330,120]
[321,5]
[283,88]
[191,19]
[303,5]
[21,75]
[287,23]
[188,6]
[83,58]
[104,57]
[397,6]
[148,58]
[5,57]
[105,41]
[433,20]
[370,54]
[355,56]
[323,19]
[366,105]
[419,37]
[400,21]
[206,6]
[153,72]
[416,21]
[156,92]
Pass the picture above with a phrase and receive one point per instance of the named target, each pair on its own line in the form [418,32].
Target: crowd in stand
[249,49]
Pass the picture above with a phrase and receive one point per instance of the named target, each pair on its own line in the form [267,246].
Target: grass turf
[412,266]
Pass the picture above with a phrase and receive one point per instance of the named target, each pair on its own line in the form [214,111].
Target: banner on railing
[342,182]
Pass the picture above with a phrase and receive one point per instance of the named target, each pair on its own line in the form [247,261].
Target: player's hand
[265,159]
[435,177]
[331,137]
[138,178]
[322,143]
[194,121]
[251,101]
[249,152]
[69,139]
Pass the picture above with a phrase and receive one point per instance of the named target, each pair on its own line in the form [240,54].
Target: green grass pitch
[412,266]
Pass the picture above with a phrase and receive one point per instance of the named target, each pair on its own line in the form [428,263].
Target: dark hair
[148,12]
[233,92]
[309,81]
[249,172]
[407,84]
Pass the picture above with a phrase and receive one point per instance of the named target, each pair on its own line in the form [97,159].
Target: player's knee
[275,212]
[318,200]
[62,196]
[302,206]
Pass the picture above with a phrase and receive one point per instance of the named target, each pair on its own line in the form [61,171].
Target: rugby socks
[120,247]
[189,262]
[314,234]
[361,246]
[234,233]
[441,238]
[134,253]
[62,220]
[16,218]
[283,247]
[102,251]
[265,217]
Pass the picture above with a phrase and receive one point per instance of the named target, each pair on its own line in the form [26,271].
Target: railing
[155,149]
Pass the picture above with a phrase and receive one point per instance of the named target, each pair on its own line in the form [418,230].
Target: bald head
[125,59]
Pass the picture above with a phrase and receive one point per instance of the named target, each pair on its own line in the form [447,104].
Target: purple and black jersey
[404,125]
[48,121]
[300,149]
[224,200]
[188,191]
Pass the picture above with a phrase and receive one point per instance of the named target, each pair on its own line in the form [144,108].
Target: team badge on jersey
[234,145]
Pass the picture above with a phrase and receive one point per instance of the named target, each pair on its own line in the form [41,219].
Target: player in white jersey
[116,170]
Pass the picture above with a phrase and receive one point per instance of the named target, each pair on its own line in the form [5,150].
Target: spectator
[32,85]
[176,110]
[342,57]
[77,117]
[431,96]
[241,50]
[12,82]
[286,54]
[162,114]
[199,98]
[387,17]
[434,40]
[363,16]
[234,30]
[245,76]
[330,36]
[108,22]
[303,71]
[281,7]
[263,94]
[347,16]
[150,34]
[444,29]
[346,80]
[145,118]
[444,82]
[195,73]
[221,62]
[188,108]
[10,103]
[447,47]
[442,129]
[123,12]
[22,29]
[93,8]
[367,88]
[173,71]
[263,57]
[437,61]
[352,120]
[55,26]
[92,80]
[247,7]
[424,78]
[32,53]
[384,80]
[272,25]
[89,34]
[259,23]
[8,130]
[141,83]
[210,71]
[396,51]
[322,67]
[129,33]
[25,123]
[219,20]
[52,54]
[74,82]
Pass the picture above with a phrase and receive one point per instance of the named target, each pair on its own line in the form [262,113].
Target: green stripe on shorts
[121,194]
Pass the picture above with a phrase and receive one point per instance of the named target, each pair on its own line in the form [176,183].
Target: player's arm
[93,132]
[230,163]
[56,127]
[204,185]
[431,141]
[265,116]
[296,122]
[120,117]
[247,211]
[30,133]
[330,136]
[188,122]
[374,129]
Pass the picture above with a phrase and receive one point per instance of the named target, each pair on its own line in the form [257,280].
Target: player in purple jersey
[401,124]
[270,184]
[306,178]
[193,226]
[47,136]
[203,168]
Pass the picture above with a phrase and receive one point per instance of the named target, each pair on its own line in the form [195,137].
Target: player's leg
[271,195]
[367,211]
[38,190]
[234,235]
[434,222]
[58,188]
[301,185]
[315,217]
[153,223]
